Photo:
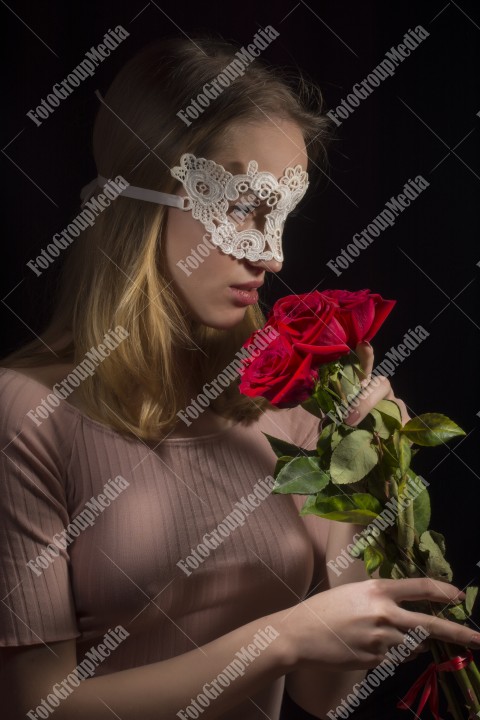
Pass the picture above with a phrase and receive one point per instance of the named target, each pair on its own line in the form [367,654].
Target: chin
[225,320]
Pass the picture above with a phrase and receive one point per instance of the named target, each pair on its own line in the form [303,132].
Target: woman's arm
[346,627]
[158,691]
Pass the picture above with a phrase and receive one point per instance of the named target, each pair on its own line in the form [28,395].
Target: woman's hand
[373,392]
[353,626]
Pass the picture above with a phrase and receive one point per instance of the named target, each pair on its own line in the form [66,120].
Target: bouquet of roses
[362,474]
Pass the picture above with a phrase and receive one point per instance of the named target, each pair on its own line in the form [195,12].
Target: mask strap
[138,193]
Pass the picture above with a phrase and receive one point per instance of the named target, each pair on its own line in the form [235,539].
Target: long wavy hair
[115,272]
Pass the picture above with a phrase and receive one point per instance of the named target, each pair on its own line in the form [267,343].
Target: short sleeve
[37,601]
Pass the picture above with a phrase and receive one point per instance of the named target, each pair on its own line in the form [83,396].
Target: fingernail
[475,641]
[366,343]
[353,418]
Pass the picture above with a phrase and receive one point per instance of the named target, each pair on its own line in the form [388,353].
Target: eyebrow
[235,167]
[238,168]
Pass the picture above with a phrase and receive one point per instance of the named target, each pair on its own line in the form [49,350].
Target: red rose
[361,313]
[314,329]
[279,374]
[309,323]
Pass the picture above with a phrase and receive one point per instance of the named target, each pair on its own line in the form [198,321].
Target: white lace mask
[211,190]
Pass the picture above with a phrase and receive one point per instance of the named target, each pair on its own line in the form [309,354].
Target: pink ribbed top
[123,569]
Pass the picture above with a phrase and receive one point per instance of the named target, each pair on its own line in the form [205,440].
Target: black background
[423,120]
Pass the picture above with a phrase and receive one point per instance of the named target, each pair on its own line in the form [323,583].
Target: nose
[256,219]
[273,266]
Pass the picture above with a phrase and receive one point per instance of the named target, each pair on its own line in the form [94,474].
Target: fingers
[416,648]
[364,353]
[436,591]
[377,389]
[440,629]
[422,589]
[374,390]
[419,650]
[403,409]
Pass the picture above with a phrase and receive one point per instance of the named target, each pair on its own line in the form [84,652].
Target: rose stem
[453,704]
[464,681]
[474,675]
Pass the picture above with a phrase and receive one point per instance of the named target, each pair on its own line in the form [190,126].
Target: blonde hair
[116,274]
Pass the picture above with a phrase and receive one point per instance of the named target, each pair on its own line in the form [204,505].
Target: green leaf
[378,424]
[353,458]
[324,400]
[391,414]
[390,457]
[403,453]
[386,569]
[471,593]
[337,437]
[281,462]
[327,372]
[347,371]
[432,548]
[405,525]
[308,506]
[376,484]
[341,431]
[349,381]
[354,517]
[334,503]
[282,448]
[365,539]
[421,504]
[373,558]
[457,612]
[463,610]
[311,500]
[301,476]
[359,508]
[431,429]
[365,501]
[439,539]
[311,405]
[323,444]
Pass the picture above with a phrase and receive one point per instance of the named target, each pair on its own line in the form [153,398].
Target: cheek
[192,263]
[183,234]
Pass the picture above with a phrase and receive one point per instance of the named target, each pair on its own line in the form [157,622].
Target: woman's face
[210,292]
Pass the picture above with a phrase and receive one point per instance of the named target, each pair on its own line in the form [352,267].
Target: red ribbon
[428,681]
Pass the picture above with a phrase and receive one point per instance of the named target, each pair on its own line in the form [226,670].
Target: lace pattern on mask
[211,190]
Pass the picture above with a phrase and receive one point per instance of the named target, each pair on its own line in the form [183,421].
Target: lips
[246,293]
[248,286]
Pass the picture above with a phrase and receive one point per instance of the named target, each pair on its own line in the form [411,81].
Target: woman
[115,558]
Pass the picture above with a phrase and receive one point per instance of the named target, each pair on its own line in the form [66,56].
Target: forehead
[275,145]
